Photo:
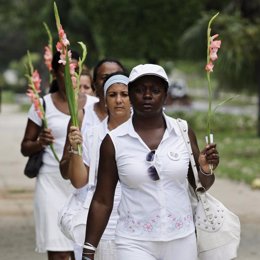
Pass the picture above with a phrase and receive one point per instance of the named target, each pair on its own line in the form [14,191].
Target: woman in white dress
[51,190]
[81,171]
[147,154]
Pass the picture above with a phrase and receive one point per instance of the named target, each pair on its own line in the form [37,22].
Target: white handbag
[217,228]
[72,217]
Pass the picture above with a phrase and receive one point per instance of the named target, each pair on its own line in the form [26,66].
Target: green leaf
[30,66]
[50,42]
[57,17]
[84,51]
[224,101]
[70,93]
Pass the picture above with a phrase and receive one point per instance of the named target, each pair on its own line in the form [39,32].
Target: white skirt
[51,193]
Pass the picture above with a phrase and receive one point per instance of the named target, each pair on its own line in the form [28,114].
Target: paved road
[16,195]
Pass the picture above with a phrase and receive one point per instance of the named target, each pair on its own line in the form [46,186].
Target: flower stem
[54,153]
[209,117]
[45,125]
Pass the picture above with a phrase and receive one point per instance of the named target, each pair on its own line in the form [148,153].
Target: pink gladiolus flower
[62,59]
[213,54]
[30,94]
[63,37]
[36,103]
[72,68]
[36,81]
[33,90]
[215,44]
[39,113]
[48,57]
[69,54]
[209,67]
[213,48]
[59,47]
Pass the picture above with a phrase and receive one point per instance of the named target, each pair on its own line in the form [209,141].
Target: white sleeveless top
[58,123]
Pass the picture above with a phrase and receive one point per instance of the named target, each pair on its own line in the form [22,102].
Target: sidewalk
[16,191]
[16,198]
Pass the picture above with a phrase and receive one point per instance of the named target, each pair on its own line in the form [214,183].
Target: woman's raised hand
[75,137]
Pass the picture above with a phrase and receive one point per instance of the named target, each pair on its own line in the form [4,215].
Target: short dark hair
[101,62]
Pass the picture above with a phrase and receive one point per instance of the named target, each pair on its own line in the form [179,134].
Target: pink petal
[213,37]
[59,47]
[48,57]
[72,68]
[215,44]
[40,114]
[209,67]
[36,81]
[213,54]
[30,94]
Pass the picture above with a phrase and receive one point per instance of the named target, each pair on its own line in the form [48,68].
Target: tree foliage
[146,29]
[138,29]
[240,50]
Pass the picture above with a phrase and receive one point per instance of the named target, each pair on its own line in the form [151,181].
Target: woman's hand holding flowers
[45,137]
[75,137]
[209,157]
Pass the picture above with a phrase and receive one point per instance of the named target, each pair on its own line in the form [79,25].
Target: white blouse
[91,146]
[152,210]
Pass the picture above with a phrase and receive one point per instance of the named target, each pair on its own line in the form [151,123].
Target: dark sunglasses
[152,172]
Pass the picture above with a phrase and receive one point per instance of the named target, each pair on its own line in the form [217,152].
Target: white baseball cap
[147,69]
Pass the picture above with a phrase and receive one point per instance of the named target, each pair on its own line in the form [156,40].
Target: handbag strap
[44,104]
[93,159]
[184,132]
[44,107]
[200,190]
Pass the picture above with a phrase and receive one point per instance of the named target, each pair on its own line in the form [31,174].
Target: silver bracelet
[85,258]
[85,253]
[89,247]
[205,173]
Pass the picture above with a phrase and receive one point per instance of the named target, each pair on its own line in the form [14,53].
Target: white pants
[178,249]
[105,250]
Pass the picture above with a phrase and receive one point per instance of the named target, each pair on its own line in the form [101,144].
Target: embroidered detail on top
[153,225]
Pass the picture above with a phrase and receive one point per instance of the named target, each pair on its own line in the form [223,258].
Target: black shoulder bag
[34,162]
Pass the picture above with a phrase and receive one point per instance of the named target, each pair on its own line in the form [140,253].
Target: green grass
[25,107]
[237,143]
[239,156]
[8,97]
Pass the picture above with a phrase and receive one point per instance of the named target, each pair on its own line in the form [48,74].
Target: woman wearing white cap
[82,171]
[149,157]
